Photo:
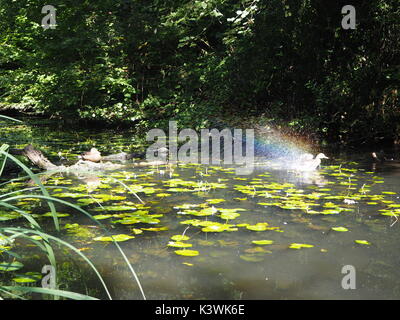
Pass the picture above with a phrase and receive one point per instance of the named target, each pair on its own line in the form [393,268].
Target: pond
[193,231]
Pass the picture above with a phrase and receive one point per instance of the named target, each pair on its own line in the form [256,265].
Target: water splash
[272,144]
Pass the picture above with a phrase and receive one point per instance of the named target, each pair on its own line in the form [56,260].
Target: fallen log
[37,158]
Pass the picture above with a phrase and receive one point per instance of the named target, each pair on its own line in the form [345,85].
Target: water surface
[282,206]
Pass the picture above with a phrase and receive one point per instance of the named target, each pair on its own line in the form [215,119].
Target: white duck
[308,163]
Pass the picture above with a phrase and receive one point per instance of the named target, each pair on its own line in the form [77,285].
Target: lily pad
[179,237]
[263,242]
[218,227]
[102,216]
[340,229]
[59,214]
[155,229]
[28,277]
[365,242]
[179,244]
[261,226]
[187,253]
[137,231]
[117,237]
[215,201]
[10,266]
[300,246]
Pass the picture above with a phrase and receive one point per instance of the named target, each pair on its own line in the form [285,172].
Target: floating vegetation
[218,227]
[10,266]
[156,229]
[79,231]
[117,208]
[27,277]
[215,201]
[137,218]
[188,264]
[262,242]
[261,226]
[364,242]
[102,216]
[117,237]
[187,253]
[180,237]
[137,231]
[179,244]
[300,246]
[225,213]
[340,229]
[58,214]
[4,216]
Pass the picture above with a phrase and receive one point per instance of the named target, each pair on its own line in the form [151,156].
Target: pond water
[313,223]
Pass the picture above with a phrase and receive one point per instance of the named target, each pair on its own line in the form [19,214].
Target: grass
[47,241]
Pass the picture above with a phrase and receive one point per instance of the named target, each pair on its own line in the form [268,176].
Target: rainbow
[271,144]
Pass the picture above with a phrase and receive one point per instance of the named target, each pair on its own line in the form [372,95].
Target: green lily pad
[69,195]
[263,242]
[215,201]
[117,237]
[28,277]
[340,229]
[10,266]
[155,229]
[300,246]
[137,231]
[179,237]
[58,214]
[261,226]
[229,215]
[218,227]
[187,253]
[4,216]
[365,242]
[179,244]
[102,216]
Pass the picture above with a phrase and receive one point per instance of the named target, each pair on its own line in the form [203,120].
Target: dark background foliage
[147,62]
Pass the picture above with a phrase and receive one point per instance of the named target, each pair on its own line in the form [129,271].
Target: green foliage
[197,61]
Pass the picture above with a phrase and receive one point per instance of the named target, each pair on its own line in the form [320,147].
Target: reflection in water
[285,207]
[221,270]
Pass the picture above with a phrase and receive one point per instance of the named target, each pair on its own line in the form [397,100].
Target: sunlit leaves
[156,229]
[363,242]
[298,246]
[28,277]
[218,227]
[187,253]
[263,242]
[340,229]
[179,244]
[179,237]
[118,238]
[10,266]
[261,226]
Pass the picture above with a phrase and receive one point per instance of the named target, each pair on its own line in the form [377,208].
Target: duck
[306,157]
[380,157]
[93,155]
[308,163]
